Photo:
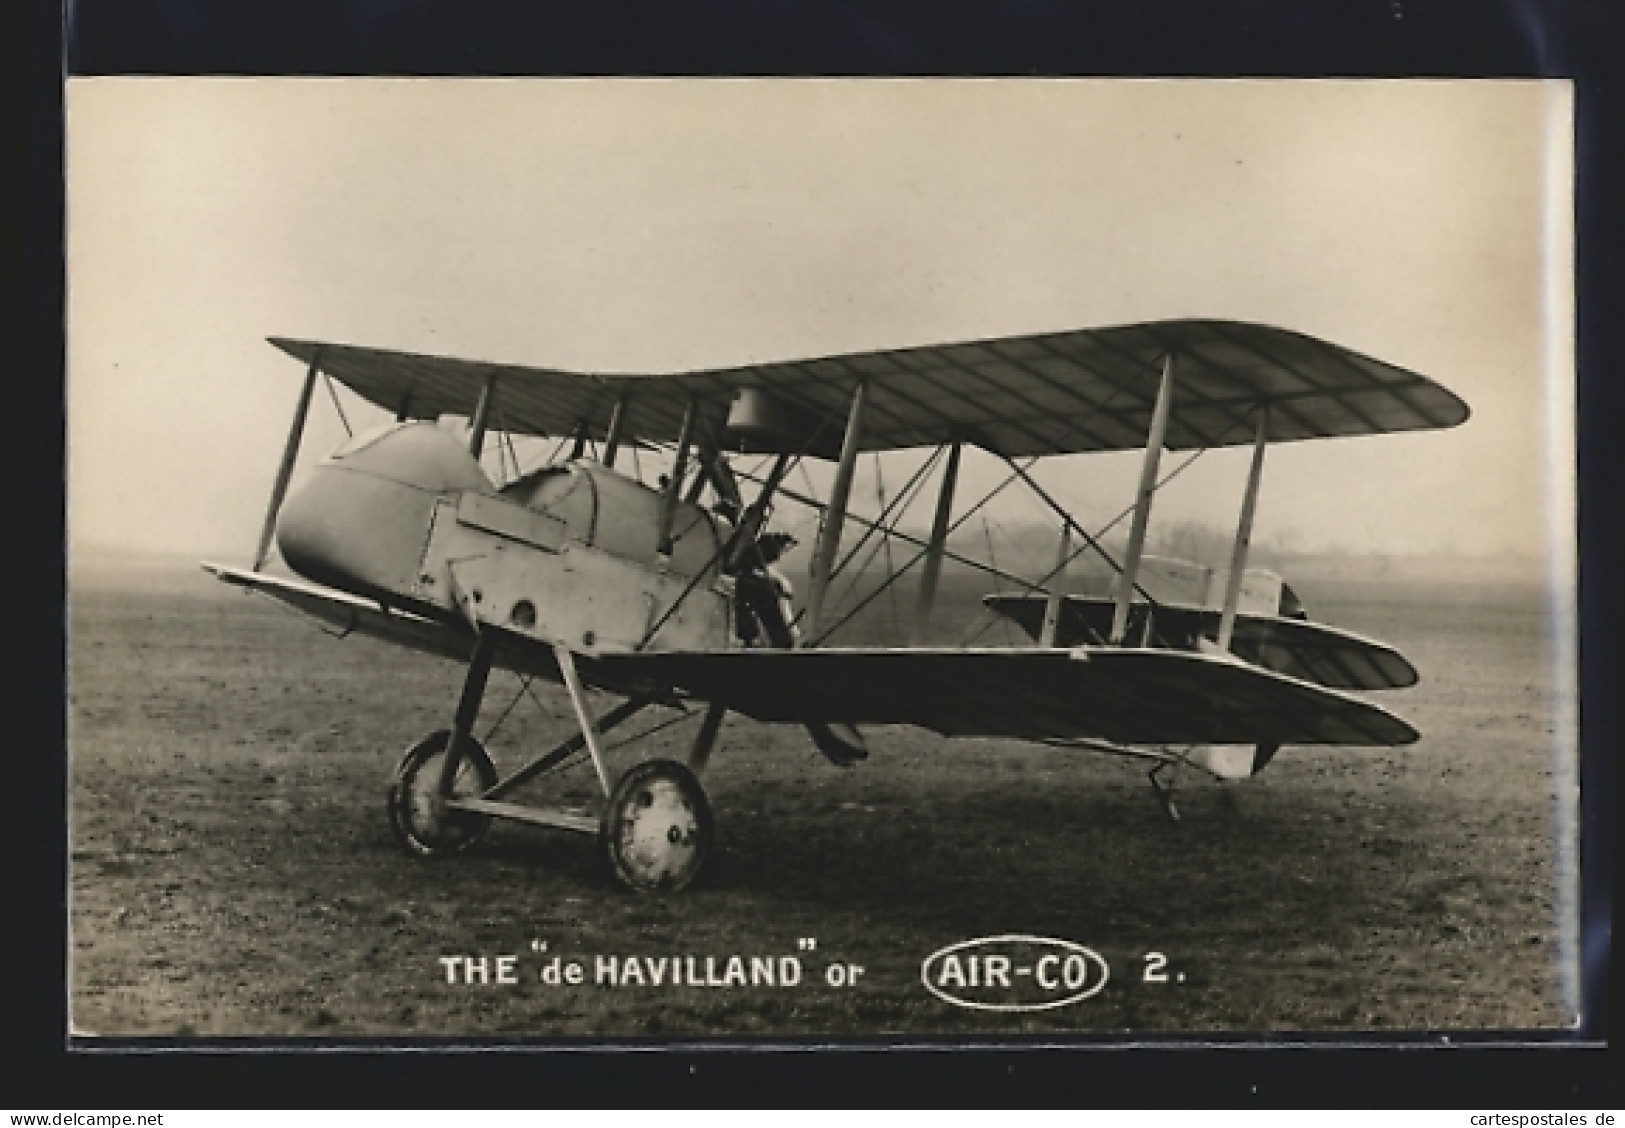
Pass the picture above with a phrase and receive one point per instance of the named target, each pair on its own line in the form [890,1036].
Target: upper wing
[1314,652]
[1055,393]
[1129,696]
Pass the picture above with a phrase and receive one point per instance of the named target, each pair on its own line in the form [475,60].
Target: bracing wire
[513,454]
[988,617]
[333,393]
[958,521]
[900,502]
[812,492]
[675,719]
[816,509]
[987,534]
[524,686]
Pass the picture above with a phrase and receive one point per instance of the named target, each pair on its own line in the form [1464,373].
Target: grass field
[233,873]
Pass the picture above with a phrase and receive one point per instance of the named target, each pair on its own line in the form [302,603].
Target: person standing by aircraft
[771,547]
[765,596]
[841,743]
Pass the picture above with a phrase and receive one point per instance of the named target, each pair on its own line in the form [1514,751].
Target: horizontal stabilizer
[1309,651]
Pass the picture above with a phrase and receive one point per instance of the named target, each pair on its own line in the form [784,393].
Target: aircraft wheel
[657,827]
[414,815]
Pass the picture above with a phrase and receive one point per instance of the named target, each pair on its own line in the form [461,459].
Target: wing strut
[1052,605]
[296,433]
[668,499]
[617,424]
[829,536]
[482,416]
[936,546]
[1142,503]
[1244,530]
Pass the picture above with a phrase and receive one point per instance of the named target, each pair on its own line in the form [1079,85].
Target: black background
[1578,39]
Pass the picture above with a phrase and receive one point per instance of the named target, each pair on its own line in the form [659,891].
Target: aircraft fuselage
[568,554]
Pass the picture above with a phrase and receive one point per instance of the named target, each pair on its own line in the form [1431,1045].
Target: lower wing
[352,614]
[1129,696]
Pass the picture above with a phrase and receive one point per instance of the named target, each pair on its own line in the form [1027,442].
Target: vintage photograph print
[734,559]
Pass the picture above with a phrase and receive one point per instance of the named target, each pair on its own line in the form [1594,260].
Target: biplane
[663,597]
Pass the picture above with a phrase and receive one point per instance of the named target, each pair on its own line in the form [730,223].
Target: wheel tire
[412,791]
[657,827]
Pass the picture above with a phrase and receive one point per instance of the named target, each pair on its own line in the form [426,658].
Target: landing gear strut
[1164,791]
[656,827]
[436,770]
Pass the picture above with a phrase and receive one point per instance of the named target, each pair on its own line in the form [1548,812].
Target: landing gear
[1164,791]
[418,813]
[657,827]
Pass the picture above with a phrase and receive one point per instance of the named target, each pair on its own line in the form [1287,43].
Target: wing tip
[227,574]
[1410,733]
[293,346]
[1460,411]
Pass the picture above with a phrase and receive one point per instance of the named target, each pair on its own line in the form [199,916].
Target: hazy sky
[669,225]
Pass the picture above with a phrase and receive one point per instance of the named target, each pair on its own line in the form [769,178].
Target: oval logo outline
[1020,938]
